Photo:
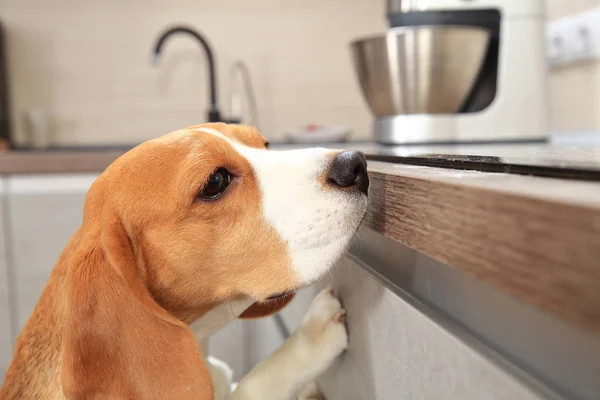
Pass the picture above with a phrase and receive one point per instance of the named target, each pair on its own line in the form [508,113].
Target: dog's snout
[349,169]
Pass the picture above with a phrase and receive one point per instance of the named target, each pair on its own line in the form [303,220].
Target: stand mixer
[457,71]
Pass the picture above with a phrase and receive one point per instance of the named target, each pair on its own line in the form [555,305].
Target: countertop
[57,161]
[522,217]
[565,156]
[536,238]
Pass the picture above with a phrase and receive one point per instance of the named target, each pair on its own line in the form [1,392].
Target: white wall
[87,62]
[574,90]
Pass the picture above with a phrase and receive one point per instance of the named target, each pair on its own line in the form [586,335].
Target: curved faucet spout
[213,113]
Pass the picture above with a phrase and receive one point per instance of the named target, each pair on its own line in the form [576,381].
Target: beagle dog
[182,230]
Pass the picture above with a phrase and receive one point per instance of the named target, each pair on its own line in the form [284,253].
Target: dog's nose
[349,169]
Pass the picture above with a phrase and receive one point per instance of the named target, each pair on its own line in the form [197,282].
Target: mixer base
[441,129]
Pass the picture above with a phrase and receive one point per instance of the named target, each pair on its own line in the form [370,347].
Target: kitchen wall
[88,63]
[574,90]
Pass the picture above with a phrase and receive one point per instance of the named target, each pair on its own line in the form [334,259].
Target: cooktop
[566,157]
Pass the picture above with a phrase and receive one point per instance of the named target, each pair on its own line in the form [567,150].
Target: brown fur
[148,260]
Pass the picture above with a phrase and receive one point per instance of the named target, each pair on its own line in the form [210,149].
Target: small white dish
[319,134]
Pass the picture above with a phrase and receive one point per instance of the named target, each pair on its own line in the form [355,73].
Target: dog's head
[208,214]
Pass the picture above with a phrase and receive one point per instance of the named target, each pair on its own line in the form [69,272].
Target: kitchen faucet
[214,114]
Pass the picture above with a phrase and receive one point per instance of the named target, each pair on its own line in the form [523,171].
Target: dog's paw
[311,392]
[324,326]
[222,376]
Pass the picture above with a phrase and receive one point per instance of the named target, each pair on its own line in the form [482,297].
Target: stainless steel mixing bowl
[419,69]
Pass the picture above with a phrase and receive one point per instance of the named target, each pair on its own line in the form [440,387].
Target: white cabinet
[397,352]
[6,334]
[43,211]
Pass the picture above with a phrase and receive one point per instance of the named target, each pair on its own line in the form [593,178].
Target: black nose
[349,169]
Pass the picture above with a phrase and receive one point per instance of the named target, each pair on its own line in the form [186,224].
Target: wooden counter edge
[543,252]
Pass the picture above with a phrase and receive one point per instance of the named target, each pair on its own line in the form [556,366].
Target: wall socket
[574,39]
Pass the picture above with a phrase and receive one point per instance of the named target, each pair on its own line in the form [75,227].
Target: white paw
[311,392]
[324,326]
[221,376]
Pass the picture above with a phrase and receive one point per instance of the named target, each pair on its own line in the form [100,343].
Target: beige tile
[574,90]
[89,66]
[562,8]
[574,98]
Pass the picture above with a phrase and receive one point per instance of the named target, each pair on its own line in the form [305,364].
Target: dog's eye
[216,185]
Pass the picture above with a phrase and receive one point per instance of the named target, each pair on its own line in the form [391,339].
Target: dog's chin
[342,243]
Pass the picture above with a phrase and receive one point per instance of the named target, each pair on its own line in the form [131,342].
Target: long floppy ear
[266,308]
[118,342]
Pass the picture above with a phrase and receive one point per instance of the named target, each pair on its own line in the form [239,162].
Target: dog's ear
[266,308]
[118,342]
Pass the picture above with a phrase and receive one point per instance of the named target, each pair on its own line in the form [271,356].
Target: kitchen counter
[564,156]
[536,237]
[499,244]
[57,161]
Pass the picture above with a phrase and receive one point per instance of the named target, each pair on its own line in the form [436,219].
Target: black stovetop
[561,157]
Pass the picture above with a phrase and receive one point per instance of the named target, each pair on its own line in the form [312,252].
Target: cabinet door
[396,352]
[6,336]
[43,213]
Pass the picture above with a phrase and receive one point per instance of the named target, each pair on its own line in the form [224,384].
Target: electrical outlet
[557,47]
[574,39]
